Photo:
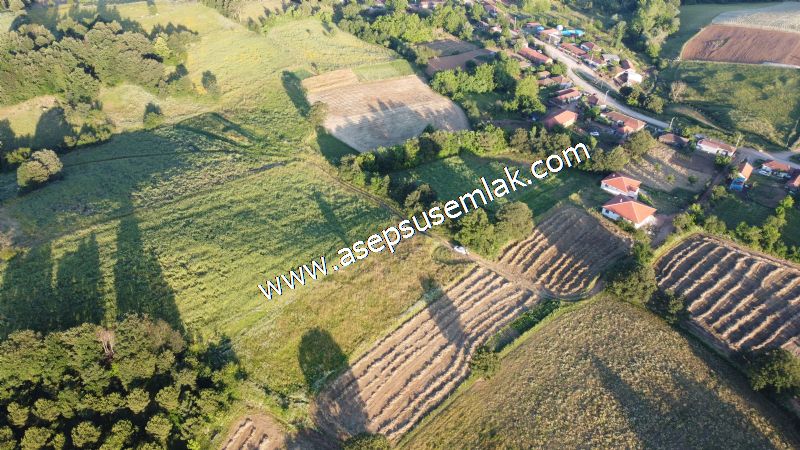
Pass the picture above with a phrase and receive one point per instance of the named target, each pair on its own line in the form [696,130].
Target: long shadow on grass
[294,88]
[30,298]
[138,279]
[683,420]
[339,412]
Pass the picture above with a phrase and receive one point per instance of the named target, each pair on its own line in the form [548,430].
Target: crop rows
[744,300]
[414,368]
[566,252]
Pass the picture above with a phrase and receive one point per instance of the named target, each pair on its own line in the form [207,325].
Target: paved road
[752,154]
[574,66]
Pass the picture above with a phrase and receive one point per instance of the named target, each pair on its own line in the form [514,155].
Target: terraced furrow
[743,299]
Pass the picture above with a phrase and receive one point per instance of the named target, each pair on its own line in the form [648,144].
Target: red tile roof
[567,94]
[629,124]
[794,182]
[745,169]
[564,118]
[573,49]
[535,56]
[622,183]
[778,166]
[629,209]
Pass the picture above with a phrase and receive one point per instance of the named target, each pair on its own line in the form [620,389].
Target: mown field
[184,221]
[743,97]
[695,17]
[606,375]
[454,176]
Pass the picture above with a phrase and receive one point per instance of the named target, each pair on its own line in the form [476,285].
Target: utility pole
[605,98]
[670,124]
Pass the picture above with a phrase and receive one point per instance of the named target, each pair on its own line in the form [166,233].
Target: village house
[625,208]
[743,172]
[535,56]
[563,117]
[626,125]
[793,185]
[775,169]
[591,47]
[566,96]
[673,140]
[547,82]
[595,100]
[542,75]
[610,57]
[619,184]
[563,82]
[626,64]
[551,35]
[593,61]
[715,147]
[573,50]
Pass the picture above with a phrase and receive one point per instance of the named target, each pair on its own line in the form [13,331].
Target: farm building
[673,140]
[591,47]
[563,118]
[625,208]
[626,125]
[776,169]
[552,36]
[742,174]
[595,100]
[793,185]
[535,56]
[619,184]
[715,147]
[572,49]
[565,96]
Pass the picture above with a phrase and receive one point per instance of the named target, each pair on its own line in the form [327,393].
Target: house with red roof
[793,185]
[776,169]
[619,184]
[743,172]
[595,100]
[591,47]
[565,96]
[715,147]
[626,125]
[573,50]
[535,56]
[625,208]
[563,82]
[551,35]
[563,117]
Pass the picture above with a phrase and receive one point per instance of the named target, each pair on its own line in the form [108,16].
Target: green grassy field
[184,221]
[606,375]
[695,17]
[454,176]
[743,97]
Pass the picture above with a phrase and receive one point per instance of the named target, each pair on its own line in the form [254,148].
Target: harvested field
[255,432]
[607,375]
[459,61]
[450,46]
[782,17]
[661,162]
[414,368]
[737,44]
[381,113]
[566,253]
[740,299]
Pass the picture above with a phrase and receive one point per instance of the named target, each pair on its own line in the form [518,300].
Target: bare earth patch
[457,61]
[738,44]
[381,113]
[255,432]
[449,46]
[737,299]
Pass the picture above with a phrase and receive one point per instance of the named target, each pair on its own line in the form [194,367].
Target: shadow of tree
[79,284]
[294,88]
[138,279]
[27,298]
[51,130]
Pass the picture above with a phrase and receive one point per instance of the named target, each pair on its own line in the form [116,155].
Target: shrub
[484,362]
[366,441]
[41,167]
[17,157]
[777,369]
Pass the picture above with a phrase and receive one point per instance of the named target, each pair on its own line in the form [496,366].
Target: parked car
[594,133]
[460,249]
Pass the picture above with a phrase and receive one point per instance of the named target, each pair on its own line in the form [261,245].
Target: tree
[676,90]
[535,6]
[776,369]
[476,231]
[514,221]
[317,114]
[42,166]
[718,193]
[526,96]
[484,362]
[520,141]
[85,434]
[640,143]
[396,5]
[209,82]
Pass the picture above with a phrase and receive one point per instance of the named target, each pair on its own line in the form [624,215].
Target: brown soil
[455,61]
[255,432]
[449,46]
[381,113]
[725,43]
[741,299]
[660,162]
[566,252]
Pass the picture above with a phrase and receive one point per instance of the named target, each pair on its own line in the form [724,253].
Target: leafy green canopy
[89,387]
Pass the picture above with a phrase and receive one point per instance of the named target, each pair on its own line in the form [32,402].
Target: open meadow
[184,221]
[605,374]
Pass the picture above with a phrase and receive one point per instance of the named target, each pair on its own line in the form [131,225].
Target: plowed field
[566,252]
[415,367]
[381,113]
[735,44]
[742,300]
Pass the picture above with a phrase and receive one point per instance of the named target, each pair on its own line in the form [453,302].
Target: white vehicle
[459,249]
[594,133]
